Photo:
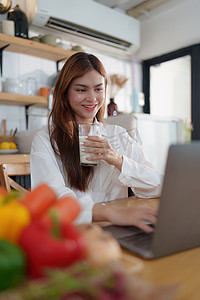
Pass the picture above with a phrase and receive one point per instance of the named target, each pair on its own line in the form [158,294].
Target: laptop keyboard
[142,240]
[131,236]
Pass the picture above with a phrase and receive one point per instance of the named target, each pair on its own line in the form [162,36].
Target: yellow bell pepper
[13,217]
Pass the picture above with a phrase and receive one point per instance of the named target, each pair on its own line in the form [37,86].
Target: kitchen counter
[14,158]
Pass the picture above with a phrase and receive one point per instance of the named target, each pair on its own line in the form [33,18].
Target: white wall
[178,27]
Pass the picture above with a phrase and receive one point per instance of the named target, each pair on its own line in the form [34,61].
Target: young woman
[79,97]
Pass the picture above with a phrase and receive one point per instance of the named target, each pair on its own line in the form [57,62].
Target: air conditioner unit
[88,23]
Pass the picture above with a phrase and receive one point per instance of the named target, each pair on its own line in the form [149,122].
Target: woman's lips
[90,107]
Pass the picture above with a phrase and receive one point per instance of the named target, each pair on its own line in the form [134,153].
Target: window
[194,53]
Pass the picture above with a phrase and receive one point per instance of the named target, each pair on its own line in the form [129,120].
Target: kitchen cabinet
[32,48]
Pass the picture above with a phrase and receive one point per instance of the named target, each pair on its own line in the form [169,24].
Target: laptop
[178,224]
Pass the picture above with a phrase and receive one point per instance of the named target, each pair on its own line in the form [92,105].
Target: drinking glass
[85,130]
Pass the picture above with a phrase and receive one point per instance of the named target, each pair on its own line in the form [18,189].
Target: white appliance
[88,23]
[153,134]
[156,134]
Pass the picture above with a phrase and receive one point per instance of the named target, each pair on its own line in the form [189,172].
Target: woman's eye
[81,90]
[99,90]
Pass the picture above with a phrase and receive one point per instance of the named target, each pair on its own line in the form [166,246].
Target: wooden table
[182,268]
[14,158]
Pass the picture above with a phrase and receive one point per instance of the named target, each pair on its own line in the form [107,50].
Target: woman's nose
[91,95]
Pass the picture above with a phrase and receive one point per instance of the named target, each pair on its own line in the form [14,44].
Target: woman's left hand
[102,150]
[140,216]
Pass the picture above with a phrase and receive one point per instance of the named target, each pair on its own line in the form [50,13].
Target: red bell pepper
[44,250]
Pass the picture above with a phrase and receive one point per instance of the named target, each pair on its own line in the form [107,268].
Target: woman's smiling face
[86,95]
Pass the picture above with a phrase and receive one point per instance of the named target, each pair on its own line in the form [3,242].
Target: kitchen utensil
[35,39]
[44,92]
[5,5]
[31,86]
[21,23]
[48,39]
[77,48]
[11,132]
[11,85]
[3,136]
[15,131]
[63,46]
[8,27]
[4,127]
[23,87]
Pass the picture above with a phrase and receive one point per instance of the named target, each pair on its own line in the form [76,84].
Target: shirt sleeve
[138,173]
[45,169]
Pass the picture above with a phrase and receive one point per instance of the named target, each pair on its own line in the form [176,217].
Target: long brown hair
[63,128]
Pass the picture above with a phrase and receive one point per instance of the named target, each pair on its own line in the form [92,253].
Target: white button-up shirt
[108,183]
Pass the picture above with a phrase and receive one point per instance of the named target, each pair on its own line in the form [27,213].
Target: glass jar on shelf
[32,86]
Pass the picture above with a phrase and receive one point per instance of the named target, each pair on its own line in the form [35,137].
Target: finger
[93,144]
[104,143]
[96,151]
[94,138]
[149,217]
[145,227]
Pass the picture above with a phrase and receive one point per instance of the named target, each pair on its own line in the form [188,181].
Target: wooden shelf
[29,47]
[32,48]
[17,99]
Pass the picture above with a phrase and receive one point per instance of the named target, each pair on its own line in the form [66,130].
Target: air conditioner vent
[85,32]
[93,25]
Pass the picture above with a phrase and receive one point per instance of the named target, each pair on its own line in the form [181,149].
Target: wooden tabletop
[182,268]
[14,158]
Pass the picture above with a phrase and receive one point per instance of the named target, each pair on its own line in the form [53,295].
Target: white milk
[83,155]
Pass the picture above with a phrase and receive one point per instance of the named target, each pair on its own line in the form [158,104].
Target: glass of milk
[85,130]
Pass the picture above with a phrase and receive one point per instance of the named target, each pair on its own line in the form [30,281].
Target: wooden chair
[15,169]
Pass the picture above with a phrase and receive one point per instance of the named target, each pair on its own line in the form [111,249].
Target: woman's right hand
[126,216]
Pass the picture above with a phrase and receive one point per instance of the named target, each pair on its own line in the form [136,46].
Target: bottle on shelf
[20,20]
[112,108]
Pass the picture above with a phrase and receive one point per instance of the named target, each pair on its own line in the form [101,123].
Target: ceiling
[138,8]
